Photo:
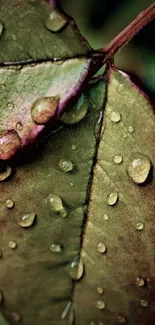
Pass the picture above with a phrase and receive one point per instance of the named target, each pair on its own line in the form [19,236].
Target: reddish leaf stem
[129,32]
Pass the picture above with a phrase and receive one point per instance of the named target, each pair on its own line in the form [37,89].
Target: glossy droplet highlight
[66,310]
[139,168]
[5,173]
[144,303]
[115,117]
[118,159]
[44,109]
[101,248]
[56,21]
[1,28]
[131,129]
[77,268]
[55,248]
[27,220]
[15,316]
[56,205]
[100,304]
[140,282]
[100,290]
[76,113]
[19,126]
[9,204]
[12,244]
[10,142]
[10,105]
[106,217]
[73,147]
[140,226]
[120,87]
[66,165]
[112,198]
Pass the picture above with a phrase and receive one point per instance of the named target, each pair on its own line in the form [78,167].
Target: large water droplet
[140,226]
[5,173]
[55,248]
[144,303]
[9,204]
[15,316]
[140,282]
[56,21]
[66,165]
[55,204]
[118,159]
[101,248]
[12,244]
[115,116]
[77,269]
[27,220]
[100,290]
[139,168]
[77,112]
[112,198]
[100,304]
[1,28]
[10,142]
[44,109]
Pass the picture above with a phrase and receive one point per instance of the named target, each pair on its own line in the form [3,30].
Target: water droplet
[100,290]
[44,109]
[77,268]
[10,142]
[139,168]
[140,226]
[120,87]
[121,319]
[10,105]
[73,147]
[100,304]
[12,244]
[71,184]
[76,113]
[66,165]
[27,220]
[118,159]
[9,204]
[15,316]
[144,303]
[112,198]
[140,282]
[131,129]
[1,296]
[115,117]
[101,248]
[19,126]
[106,217]
[5,173]
[55,204]
[1,28]
[55,248]
[56,21]
[66,310]
[125,135]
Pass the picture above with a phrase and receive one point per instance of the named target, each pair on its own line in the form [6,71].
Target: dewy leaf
[118,243]
[37,263]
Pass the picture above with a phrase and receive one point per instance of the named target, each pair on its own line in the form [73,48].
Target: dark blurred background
[101,20]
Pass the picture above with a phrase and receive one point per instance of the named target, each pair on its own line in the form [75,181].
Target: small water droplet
[27,220]
[19,126]
[140,282]
[5,173]
[15,316]
[1,28]
[10,142]
[115,117]
[56,21]
[125,135]
[9,204]
[144,303]
[140,226]
[112,198]
[76,113]
[66,165]
[77,268]
[101,248]
[118,159]
[100,304]
[55,248]
[139,168]
[44,109]
[71,184]
[10,105]
[73,147]
[131,129]
[100,290]
[120,87]
[12,244]
[55,204]
[106,217]
[121,319]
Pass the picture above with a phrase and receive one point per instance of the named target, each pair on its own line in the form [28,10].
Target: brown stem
[129,32]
